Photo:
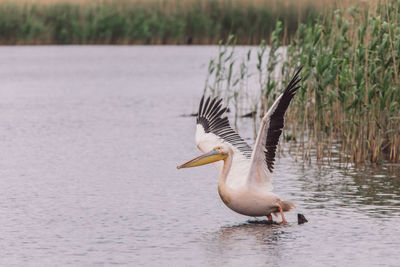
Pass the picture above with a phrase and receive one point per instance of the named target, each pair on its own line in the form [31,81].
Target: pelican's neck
[223,189]
[225,170]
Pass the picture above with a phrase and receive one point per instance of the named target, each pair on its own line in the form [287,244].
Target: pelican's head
[218,153]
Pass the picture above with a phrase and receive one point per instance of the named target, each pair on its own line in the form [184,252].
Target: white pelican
[245,183]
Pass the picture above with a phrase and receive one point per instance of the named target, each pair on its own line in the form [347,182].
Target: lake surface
[89,142]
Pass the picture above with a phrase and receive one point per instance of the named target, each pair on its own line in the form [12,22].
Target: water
[90,137]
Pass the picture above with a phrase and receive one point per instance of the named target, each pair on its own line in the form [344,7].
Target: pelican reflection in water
[245,183]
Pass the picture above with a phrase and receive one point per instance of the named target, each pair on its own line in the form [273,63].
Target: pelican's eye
[218,149]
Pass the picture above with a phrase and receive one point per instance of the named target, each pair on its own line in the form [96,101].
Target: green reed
[348,107]
[153,22]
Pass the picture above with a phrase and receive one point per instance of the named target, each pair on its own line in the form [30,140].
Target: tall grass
[148,22]
[349,105]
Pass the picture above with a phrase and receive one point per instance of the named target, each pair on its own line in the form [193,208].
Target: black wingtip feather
[292,88]
[200,108]
[206,105]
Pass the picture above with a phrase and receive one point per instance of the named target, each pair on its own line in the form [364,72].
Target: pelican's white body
[248,201]
[250,196]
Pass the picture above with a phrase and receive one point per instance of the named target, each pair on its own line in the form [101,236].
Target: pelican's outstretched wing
[213,130]
[263,156]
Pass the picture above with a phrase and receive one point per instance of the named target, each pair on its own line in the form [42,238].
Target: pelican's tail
[286,206]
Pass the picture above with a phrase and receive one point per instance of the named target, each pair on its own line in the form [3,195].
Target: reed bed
[348,108]
[149,22]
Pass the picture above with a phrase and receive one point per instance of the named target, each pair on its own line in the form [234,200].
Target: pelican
[245,183]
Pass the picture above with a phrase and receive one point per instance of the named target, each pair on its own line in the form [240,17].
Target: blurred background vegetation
[152,21]
[348,108]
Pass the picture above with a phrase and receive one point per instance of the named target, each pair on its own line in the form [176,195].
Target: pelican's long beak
[207,158]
